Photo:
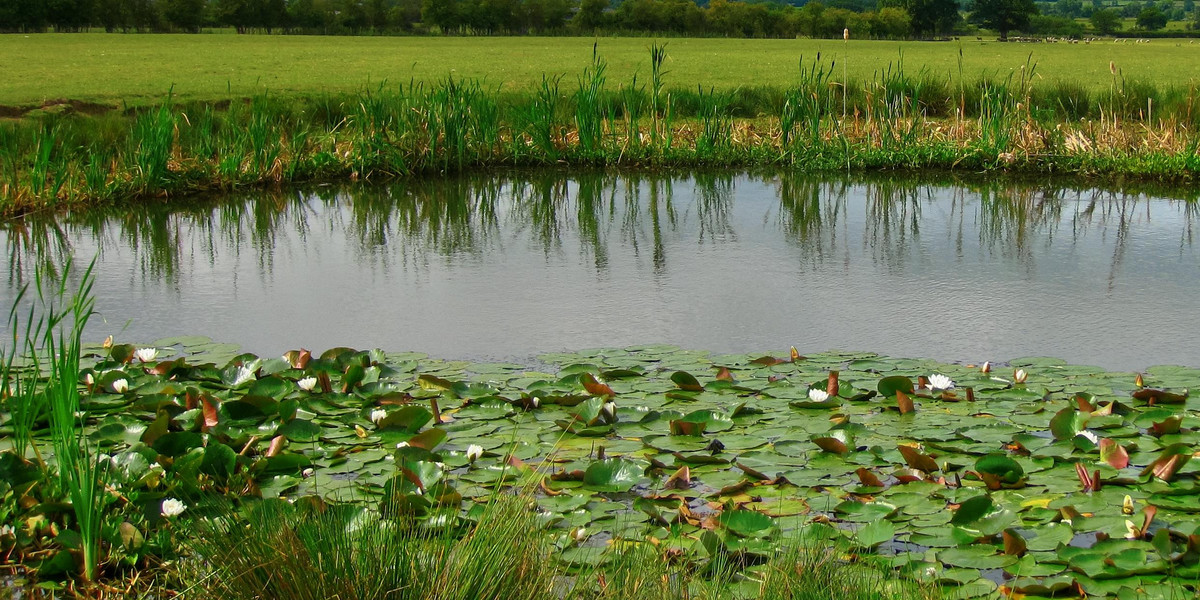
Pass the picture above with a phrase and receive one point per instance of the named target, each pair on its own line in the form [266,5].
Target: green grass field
[139,69]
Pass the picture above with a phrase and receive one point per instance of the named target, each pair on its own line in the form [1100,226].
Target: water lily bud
[986,368]
[172,507]
[88,380]
[309,472]
[307,384]
[474,451]
[938,381]
[120,386]
[1139,381]
[378,415]
[146,354]
[7,531]
[1127,506]
[610,409]
[818,395]
[1019,376]
[108,342]
[579,534]
[1131,531]
[536,401]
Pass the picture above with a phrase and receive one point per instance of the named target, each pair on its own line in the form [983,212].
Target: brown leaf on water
[904,402]
[868,478]
[679,480]
[723,374]
[1014,544]
[276,446]
[1083,404]
[1112,453]
[753,473]
[832,385]
[594,386]
[767,361]
[1150,511]
[918,460]
[209,409]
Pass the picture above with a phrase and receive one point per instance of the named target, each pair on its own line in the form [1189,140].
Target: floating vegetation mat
[1036,478]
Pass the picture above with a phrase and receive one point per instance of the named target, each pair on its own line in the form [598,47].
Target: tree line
[883,19]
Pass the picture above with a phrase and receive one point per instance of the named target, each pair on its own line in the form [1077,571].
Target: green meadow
[141,69]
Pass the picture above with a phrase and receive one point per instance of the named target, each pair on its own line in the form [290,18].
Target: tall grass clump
[805,103]
[316,551]
[22,399]
[590,107]
[660,101]
[151,144]
[53,335]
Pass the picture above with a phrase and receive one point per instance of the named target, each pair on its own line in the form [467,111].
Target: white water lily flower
[120,386]
[579,534]
[938,381]
[818,395]
[88,380]
[1091,437]
[243,375]
[378,415]
[987,367]
[307,384]
[1019,376]
[401,445]
[474,451]
[536,402]
[7,531]
[610,408]
[146,354]
[172,507]
[309,472]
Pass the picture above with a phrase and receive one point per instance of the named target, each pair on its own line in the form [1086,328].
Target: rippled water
[508,267]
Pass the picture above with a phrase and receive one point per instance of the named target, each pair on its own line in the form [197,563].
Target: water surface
[509,267]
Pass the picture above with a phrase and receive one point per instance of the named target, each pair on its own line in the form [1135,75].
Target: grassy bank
[898,119]
[120,70]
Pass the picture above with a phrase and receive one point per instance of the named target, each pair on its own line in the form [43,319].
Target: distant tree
[1189,5]
[928,17]
[1003,15]
[1151,19]
[442,13]
[1068,8]
[186,15]
[892,23]
[1106,21]
[1131,10]
[590,15]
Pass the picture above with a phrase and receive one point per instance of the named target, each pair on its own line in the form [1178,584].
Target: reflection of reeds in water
[418,221]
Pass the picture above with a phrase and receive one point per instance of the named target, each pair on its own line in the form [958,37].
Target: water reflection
[510,266]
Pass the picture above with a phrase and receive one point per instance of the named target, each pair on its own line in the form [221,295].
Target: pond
[506,267]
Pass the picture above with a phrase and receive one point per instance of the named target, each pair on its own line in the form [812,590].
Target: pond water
[506,267]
